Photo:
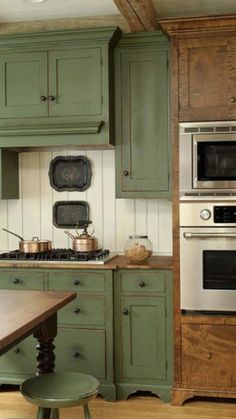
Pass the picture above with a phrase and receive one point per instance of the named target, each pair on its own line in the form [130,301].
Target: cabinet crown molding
[197,25]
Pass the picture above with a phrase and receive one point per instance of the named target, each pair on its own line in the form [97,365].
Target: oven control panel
[225,214]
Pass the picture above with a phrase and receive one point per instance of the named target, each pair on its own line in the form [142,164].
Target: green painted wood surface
[143,336]
[19,360]
[81,281]
[143,332]
[81,350]
[23,81]
[142,118]
[75,67]
[21,279]
[75,80]
[142,281]
[9,174]
[85,310]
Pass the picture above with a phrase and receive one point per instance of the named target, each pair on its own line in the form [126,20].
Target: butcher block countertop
[118,262]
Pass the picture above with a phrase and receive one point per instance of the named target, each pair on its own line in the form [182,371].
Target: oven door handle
[203,235]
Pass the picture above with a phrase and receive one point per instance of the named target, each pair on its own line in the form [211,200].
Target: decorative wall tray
[70,173]
[71,214]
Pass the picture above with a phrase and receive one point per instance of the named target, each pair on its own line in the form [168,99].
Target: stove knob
[205,214]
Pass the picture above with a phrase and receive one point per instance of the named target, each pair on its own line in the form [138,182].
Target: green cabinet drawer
[139,281]
[84,310]
[81,350]
[17,279]
[89,281]
[21,359]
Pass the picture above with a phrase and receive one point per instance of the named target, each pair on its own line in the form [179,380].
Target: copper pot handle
[69,234]
[14,234]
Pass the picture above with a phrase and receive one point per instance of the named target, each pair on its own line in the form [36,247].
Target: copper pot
[32,246]
[83,242]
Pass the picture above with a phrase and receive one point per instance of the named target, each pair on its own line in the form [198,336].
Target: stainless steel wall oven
[208,256]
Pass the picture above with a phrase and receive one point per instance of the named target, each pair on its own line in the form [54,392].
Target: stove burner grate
[57,255]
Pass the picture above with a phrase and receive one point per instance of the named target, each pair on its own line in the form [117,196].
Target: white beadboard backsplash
[114,219]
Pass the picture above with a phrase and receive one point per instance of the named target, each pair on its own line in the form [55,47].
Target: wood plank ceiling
[140,15]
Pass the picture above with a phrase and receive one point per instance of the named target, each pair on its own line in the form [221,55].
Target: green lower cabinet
[143,324]
[85,336]
[19,362]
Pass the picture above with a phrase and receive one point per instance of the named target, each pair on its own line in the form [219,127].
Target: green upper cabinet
[24,81]
[142,120]
[57,84]
[67,88]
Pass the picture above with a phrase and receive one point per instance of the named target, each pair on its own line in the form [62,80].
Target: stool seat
[62,389]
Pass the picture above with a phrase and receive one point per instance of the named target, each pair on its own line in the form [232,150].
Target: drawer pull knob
[125,311]
[16,281]
[76,354]
[43,98]
[76,310]
[126,173]
[51,98]
[76,282]
[142,284]
[16,350]
[209,356]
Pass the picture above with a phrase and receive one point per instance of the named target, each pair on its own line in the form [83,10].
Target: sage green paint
[81,350]
[142,117]
[143,334]
[74,67]
[88,332]
[9,174]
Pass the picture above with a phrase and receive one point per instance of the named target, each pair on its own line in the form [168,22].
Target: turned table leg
[45,335]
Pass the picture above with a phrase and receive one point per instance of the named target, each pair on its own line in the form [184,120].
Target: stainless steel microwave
[207,159]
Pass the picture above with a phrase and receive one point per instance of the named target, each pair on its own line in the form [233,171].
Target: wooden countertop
[118,262]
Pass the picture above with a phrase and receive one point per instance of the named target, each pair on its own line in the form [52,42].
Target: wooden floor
[13,406]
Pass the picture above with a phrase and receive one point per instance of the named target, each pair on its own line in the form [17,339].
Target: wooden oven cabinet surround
[203,88]
[206,51]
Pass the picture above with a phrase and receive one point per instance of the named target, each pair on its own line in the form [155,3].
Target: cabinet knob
[16,281]
[51,98]
[209,355]
[16,350]
[126,173]
[43,98]
[76,354]
[142,284]
[76,310]
[76,282]
[125,311]
[232,99]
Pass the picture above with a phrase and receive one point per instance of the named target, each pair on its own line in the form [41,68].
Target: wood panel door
[23,87]
[144,337]
[142,152]
[207,79]
[75,82]
[208,355]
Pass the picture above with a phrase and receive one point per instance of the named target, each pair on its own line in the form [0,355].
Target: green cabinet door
[142,120]
[23,88]
[75,82]
[144,337]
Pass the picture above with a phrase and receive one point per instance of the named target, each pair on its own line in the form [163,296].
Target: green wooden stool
[55,390]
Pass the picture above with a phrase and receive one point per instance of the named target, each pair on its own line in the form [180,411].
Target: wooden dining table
[23,313]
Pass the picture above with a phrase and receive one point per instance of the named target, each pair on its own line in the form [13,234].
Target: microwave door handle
[203,235]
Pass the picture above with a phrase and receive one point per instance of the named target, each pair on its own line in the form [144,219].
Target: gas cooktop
[60,255]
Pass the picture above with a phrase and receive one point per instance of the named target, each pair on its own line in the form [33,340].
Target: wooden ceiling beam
[140,15]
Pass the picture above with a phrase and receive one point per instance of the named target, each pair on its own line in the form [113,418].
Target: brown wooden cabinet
[208,355]
[207,79]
